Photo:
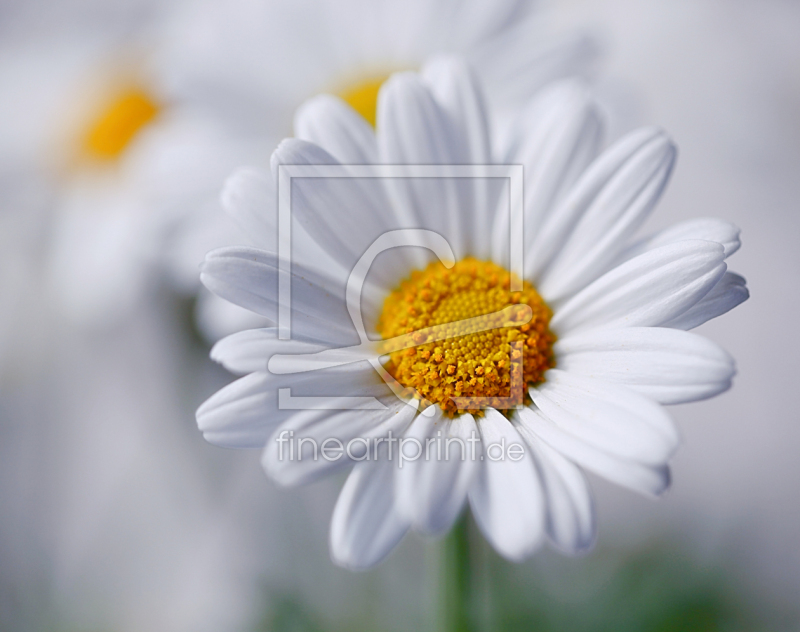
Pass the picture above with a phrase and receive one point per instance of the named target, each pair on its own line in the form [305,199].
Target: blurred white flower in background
[258,61]
[126,165]
[111,513]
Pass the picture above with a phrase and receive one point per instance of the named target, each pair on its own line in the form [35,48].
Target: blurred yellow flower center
[363,98]
[118,124]
[468,365]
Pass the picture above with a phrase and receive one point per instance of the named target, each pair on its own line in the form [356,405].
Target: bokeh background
[115,514]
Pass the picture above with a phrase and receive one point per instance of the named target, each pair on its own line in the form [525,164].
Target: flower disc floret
[476,360]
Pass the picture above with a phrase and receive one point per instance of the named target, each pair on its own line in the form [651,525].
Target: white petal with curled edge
[708,228]
[250,350]
[645,291]
[729,292]
[243,413]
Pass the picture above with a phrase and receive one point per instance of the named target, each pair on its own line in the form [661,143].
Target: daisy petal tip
[742,289]
[354,558]
[208,278]
[582,544]
[201,416]
[398,90]
[666,474]
[573,90]
[663,150]
[654,141]
[294,151]
[238,182]
[312,106]
[442,66]
[282,476]
[350,562]
[218,349]
[430,411]
[518,552]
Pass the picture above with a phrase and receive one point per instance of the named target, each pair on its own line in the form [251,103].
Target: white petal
[217,318]
[413,129]
[727,294]
[605,220]
[245,412]
[526,59]
[432,490]
[457,91]
[250,198]
[249,351]
[506,496]
[241,415]
[558,224]
[707,228]
[475,21]
[366,525]
[294,454]
[249,278]
[608,416]
[645,479]
[343,215]
[667,365]
[645,291]
[557,136]
[571,521]
[329,122]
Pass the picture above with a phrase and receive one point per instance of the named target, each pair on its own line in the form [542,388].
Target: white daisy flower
[122,162]
[259,60]
[595,330]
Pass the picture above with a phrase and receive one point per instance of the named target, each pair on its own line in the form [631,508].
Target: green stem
[456,581]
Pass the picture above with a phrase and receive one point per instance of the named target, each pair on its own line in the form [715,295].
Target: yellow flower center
[477,360]
[117,125]
[363,98]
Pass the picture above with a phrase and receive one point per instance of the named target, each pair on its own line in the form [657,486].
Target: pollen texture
[464,343]
[118,123]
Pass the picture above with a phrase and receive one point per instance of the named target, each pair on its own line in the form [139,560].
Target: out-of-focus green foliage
[658,589]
